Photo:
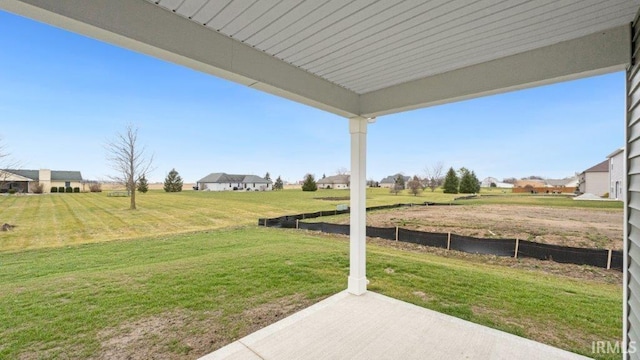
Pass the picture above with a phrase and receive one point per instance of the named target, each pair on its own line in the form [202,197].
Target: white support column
[358,220]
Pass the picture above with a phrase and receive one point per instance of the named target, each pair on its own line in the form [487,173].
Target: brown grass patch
[187,334]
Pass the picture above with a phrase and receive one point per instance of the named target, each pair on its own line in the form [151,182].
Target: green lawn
[72,301]
[67,219]
[189,272]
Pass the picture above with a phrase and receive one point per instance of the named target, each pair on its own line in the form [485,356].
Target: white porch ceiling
[367,45]
[363,57]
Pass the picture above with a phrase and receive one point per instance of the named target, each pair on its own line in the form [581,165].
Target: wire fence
[517,248]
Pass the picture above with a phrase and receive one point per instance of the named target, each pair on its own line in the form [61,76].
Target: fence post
[265,222]
[397,233]
[302,216]
[297,224]
[515,256]
[449,241]
[609,260]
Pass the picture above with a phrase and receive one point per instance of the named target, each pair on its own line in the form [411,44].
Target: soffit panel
[367,45]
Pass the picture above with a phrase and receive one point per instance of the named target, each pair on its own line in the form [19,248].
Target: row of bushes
[63,189]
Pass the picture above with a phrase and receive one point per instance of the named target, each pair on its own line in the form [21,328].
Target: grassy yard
[82,276]
[67,219]
[186,295]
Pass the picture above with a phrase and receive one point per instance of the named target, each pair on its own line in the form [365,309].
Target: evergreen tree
[173,182]
[451,182]
[278,185]
[466,182]
[143,185]
[309,183]
[267,176]
[476,182]
[469,183]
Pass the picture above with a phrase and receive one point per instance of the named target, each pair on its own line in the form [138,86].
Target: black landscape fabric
[563,254]
[423,238]
[500,247]
[468,244]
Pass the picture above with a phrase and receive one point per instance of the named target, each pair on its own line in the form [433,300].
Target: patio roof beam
[594,54]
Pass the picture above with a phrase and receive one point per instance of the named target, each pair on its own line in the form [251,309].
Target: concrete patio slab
[374,326]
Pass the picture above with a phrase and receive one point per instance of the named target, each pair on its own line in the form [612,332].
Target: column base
[357,286]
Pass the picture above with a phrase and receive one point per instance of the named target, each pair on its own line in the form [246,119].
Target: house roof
[335,179]
[221,178]
[559,182]
[601,167]
[618,151]
[56,175]
[391,179]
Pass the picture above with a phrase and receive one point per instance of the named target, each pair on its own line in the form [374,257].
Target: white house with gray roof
[334,182]
[231,182]
[390,180]
[22,180]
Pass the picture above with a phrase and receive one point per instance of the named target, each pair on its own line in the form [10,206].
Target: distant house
[23,180]
[616,175]
[528,183]
[546,186]
[566,182]
[595,180]
[491,180]
[334,182]
[229,182]
[390,181]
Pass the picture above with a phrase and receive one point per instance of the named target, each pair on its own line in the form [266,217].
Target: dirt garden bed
[578,227]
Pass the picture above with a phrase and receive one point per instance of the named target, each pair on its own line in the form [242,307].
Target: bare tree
[128,159]
[6,163]
[434,175]
[414,185]
[342,171]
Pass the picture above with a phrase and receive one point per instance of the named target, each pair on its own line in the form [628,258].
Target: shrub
[12,191]
[605,196]
[76,189]
[95,187]
[37,188]
[68,189]
[54,189]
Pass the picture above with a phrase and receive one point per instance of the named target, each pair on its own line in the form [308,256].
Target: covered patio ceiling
[363,57]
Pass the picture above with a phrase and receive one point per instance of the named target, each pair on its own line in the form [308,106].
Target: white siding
[231,186]
[616,176]
[596,183]
[631,327]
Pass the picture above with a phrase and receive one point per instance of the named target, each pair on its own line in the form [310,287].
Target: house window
[229,184]
[254,184]
[67,184]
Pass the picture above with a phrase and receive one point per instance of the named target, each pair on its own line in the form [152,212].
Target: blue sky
[63,96]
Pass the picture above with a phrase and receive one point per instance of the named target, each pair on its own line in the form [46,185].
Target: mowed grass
[66,219]
[79,301]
